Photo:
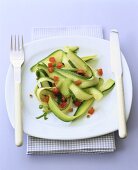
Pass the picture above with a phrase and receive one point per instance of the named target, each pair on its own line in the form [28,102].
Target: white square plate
[104,119]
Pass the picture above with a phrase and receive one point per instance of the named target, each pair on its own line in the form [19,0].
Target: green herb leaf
[40,106]
[43,115]
[59,98]
[38,117]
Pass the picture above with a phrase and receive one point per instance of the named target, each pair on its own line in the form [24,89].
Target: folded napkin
[100,144]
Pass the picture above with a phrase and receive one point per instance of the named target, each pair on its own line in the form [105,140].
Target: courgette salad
[65,81]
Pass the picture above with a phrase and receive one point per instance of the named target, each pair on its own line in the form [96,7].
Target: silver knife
[116,66]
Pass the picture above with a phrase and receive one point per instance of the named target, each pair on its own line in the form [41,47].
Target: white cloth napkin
[100,144]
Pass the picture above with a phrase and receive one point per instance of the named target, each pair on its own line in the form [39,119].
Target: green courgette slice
[97,95]
[107,85]
[62,116]
[40,73]
[65,87]
[53,74]
[44,81]
[88,58]
[44,91]
[83,108]
[85,82]
[101,81]
[65,61]
[58,54]
[71,48]
[70,69]
[79,93]
[69,105]
[79,63]
[41,92]
[57,112]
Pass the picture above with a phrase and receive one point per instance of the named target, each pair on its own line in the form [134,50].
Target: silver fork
[17,59]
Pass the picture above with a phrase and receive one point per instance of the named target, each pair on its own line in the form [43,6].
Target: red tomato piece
[45,99]
[55,90]
[50,65]
[91,111]
[56,78]
[100,71]
[63,99]
[77,82]
[50,69]
[77,103]
[63,104]
[79,71]
[59,65]
[52,60]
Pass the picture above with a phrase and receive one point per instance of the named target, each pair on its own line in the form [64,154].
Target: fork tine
[11,43]
[18,43]
[22,41]
[15,43]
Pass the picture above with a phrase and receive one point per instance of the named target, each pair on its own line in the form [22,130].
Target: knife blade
[116,67]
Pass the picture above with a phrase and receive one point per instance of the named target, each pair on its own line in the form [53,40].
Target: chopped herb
[72,64]
[70,110]
[88,116]
[38,117]
[37,74]
[43,115]
[40,106]
[50,84]
[31,95]
[59,98]
[73,96]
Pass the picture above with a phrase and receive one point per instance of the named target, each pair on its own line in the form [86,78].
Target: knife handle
[18,115]
[121,107]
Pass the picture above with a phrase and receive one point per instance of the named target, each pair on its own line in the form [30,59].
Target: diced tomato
[77,82]
[50,65]
[63,104]
[77,103]
[91,111]
[50,69]
[79,71]
[52,60]
[59,65]
[45,99]
[63,99]
[56,78]
[100,71]
[70,110]
[55,90]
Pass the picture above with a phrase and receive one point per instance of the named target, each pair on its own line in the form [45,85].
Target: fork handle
[18,115]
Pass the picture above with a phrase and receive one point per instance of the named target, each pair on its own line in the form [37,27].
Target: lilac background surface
[19,17]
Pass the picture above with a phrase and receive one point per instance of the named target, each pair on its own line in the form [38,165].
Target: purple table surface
[19,17]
